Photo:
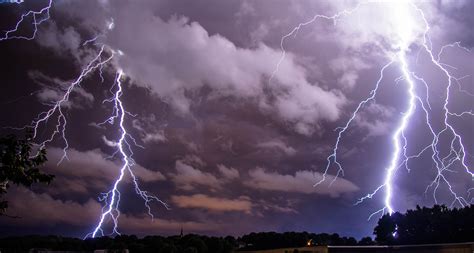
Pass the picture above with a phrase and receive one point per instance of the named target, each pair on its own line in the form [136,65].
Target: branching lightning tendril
[111,199]
[399,156]
[38,18]
[457,155]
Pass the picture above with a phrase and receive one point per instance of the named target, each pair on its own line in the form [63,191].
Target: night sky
[229,138]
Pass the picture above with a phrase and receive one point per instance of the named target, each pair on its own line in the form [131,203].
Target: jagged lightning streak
[442,164]
[112,198]
[38,18]
[398,137]
[295,31]
[56,112]
[406,36]
[460,155]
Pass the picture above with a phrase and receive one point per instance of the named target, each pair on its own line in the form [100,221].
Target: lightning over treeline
[408,40]
[411,31]
[57,113]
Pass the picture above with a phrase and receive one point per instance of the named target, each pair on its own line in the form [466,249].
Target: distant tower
[181,234]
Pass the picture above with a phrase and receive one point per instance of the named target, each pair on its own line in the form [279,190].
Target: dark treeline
[156,244]
[176,244]
[437,224]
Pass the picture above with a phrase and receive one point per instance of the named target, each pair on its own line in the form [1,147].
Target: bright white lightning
[406,35]
[112,198]
[56,112]
[112,205]
[334,18]
[397,136]
[12,1]
[407,32]
[38,18]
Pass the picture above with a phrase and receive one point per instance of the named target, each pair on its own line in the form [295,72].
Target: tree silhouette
[437,224]
[366,241]
[19,166]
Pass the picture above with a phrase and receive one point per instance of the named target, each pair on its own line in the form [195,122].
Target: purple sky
[230,149]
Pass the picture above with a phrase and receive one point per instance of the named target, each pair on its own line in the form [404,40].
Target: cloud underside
[215,62]
[176,59]
[51,212]
[88,172]
[84,172]
[229,127]
[241,204]
[300,182]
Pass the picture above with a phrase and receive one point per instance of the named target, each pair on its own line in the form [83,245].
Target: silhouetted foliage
[366,241]
[19,166]
[420,226]
[174,244]
[437,224]
[156,244]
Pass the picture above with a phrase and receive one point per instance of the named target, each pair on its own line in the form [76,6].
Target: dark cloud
[301,182]
[221,142]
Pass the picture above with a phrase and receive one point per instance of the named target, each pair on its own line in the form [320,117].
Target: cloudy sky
[232,131]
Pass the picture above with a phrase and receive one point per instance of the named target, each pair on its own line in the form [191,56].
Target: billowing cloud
[52,90]
[89,170]
[267,206]
[201,201]
[187,177]
[301,182]
[348,67]
[177,58]
[228,172]
[277,145]
[197,77]
[376,119]
[61,41]
[215,62]
[148,129]
[42,209]
[154,137]
[143,225]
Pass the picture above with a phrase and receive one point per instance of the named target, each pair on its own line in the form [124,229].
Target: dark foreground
[428,248]
[263,242]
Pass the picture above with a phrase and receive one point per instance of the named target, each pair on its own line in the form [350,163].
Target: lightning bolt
[455,154]
[399,157]
[56,113]
[57,110]
[444,163]
[38,18]
[334,18]
[112,198]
